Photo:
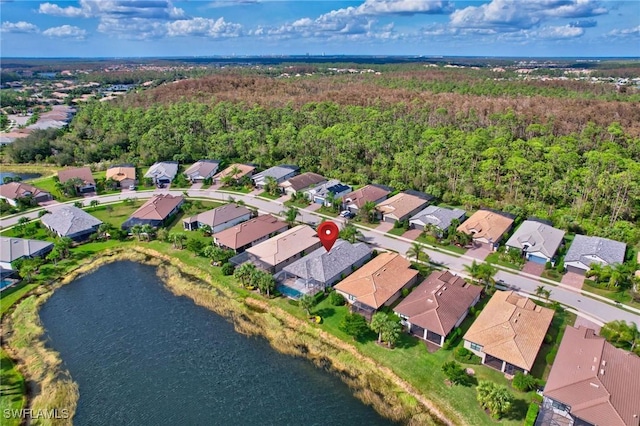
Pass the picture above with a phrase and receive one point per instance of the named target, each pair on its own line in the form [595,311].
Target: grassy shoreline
[371,382]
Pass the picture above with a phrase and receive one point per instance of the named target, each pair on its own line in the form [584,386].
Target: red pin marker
[328,234]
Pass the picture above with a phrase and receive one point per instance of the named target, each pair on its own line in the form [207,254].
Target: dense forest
[529,149]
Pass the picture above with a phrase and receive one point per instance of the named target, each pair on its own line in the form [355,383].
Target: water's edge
[373,384]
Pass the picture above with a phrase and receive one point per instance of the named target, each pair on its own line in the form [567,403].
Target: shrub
[227,268]
[524,382]
[405,292]
[548,266]
[336,299]
[532,414]
[463,354]
[456,374]
[560,266]
[452,340]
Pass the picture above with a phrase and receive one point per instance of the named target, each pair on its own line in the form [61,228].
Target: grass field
[495,258]
[12,389]
[115,214]
[432,241]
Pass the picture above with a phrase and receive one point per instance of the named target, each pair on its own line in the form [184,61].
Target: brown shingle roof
[511,327]
[364,194]
[599,382]
[219,215]
[401,205]
[286,245]
[245,169]
[83,173]
[158,207]
[13,190]
[486,224]
[439,302]
[303,181]
[248,232]
[120,173]
[377,281]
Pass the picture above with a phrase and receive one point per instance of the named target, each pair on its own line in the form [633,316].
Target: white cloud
[625,32]
[515,15]
[55,10]
[563,32]
[133,28]
[65,31]
[205,27]
[380,7]
[152,9]
[19,27]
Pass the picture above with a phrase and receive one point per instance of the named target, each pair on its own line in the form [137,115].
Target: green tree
[355,325]
[103,229]
[622,335]
[291,215]
[495,398]
[482,272]
[94,203]
[351,233]
[178,239]
[148,231]
[266,283]
[417,250]
[378,321]
[136,230]
[391,331]
[54,255]
[28,267]
[367,210]
[456,373]
[307,302]
[244,272]
[271,186]
[63,245]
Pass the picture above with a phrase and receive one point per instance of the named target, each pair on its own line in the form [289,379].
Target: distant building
[70,221]
[538,241]
[301,183]
[401,206]
[123,175]
[585,251]
[322,193]
[163,172]
[278,173]
[83,175]
[12,191]
[235,171]
[354,200]
[440,217]
[12,249]
[218,219]
[155,211]
[201,170]
[487,228]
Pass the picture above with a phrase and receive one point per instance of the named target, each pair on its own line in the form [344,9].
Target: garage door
[576,270]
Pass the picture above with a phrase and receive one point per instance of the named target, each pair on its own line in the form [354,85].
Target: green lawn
[328,211]
[11,295]
[495,258]
[268,196]
[115,214]
[432,241]
[302,203]
[12,389]
[397,231]
[49,185]
[33,231]
[240,189]
[552,274]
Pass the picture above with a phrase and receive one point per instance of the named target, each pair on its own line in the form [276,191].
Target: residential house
[12,249]
[124,175]
[301,183]
[235,171]
[85,184]
[487,227]
[12,191]
[324,192]
[70,221]
[277,252]
[247,234]
[437,306]
[278,173]
[538,241]
[440,217]
[509,331]
[155,211]
[354,200]
[378,283]
[162,173]
[401,206]
[585,251]
[321,268]
[201,170]
[218,219]
[592,382]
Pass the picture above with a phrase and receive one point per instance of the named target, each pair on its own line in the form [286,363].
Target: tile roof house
[587,250]
[592,382]
[354,200]
[247,234]
[124,175]
[12,249]
[321,193]
[401,206]
[87,183]
[155,211]
[218,219]
[438,305]
[70,221]
[277,252]
[242,171]
[279,173]
[538,241]
[440,217]
[13,190]
[509,331]
[301,183]
[201,170]
[320,268]
[377,283]
[162,172]
[487,227]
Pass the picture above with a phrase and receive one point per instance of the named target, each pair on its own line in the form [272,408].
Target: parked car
[347,214]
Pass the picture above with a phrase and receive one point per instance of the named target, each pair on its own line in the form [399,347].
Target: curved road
[589,305]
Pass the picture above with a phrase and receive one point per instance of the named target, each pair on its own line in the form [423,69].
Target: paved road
[591,306]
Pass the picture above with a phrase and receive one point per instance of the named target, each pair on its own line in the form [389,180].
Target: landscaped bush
[463,354]
[456,374]
[405,292]
[227,268]
[336,299]
[532,414]
[452,340]
[524,382]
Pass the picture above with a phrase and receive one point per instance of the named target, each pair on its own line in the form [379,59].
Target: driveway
[196,185]
[384,227]
[412,234]
[313,207]
[479,252]
[573,280]
[533,268]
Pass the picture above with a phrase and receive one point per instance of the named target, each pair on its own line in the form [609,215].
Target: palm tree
[147,230]
[271,185]
[391,331]
[307,302]
[54,255]
[244,272]
[178,239]
[235,171]
[291,214]
[621,334]
[378,321]
[351,233]
[63,245]
[494,397]
[266,283]
[366,211]
[136,230]
[540,290]
[104,229]
[482,272]
[417,250]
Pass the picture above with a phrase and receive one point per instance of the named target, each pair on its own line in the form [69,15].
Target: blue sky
[134,28]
